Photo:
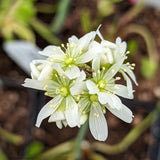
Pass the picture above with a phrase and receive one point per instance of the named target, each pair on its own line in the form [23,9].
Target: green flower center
[94,98]
[69,60]
[64,91]
[101,84]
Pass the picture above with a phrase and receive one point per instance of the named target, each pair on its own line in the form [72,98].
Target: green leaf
[85,20]
[33,150]
[132,46]
[148,67]
[105,7]
[2,155]
[25,12]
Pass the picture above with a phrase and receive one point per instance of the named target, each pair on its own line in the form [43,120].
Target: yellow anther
[62,45]
[121,52]
[97,115]
[103,68]
[124,70]
[51,60]
[127,63]
[118,78]
[133,64]
[98,71]
[79,105]
[126,57]
[69,66]
[46,93]
[112,70]
[67,107]
[52,56]
[116,87]
[83,112]
[52,106]
[120,46]
[45,87]
[80,110]
[128,52]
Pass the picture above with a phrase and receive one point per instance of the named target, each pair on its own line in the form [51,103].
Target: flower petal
[46,73]
[120,90]
[93,89]
[130,73]
[72,72]
[111,99]
[71,112]
[79,85]
[96,64]
[97,123]
[51,50]
[113,70]
[108,44]
[48,109]
[124,113]
[73,39]
[84,41]
[59,124]
[56,116]
[35,84]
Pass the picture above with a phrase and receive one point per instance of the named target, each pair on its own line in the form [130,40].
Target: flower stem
[10,137]
[59,150]
[130,138]
[79,139]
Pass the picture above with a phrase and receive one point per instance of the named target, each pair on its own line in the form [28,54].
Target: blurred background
[27,26]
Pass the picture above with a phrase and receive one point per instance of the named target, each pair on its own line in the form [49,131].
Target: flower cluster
[81,77]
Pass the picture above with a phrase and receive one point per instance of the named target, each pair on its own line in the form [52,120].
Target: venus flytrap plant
[79,95]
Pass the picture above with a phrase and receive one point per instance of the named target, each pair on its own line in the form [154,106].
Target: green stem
[132,13]
[79,140]
[61,14]
[59,150]
[147,36]
[46,8]
[130,138]
[10,137]
[43,30]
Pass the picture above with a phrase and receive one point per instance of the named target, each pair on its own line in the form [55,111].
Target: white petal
[129,83]
[79,85]
[47,110]
[83,119]
[72,72]
[96,64]
[35,84]
[73,39]
[34,71]
[93,89]
[59,124]
[56,116]
[46,73]
[97,123]
[120,90]
[71,112]
[130,73]
[118,41]
[58,68]
[108,44]
[84,41]
[111,99]
[113,70]
[99,33]
[64,123]
[51,50]
[124,113]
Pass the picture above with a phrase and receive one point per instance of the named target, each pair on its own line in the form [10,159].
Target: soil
[18,106]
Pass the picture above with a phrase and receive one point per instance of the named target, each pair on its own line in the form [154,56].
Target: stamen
[45,87]
[118,78]
[112,70]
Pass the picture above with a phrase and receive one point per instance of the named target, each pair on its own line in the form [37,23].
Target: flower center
[64,91]
[69,60]
[94,98]
[101,84]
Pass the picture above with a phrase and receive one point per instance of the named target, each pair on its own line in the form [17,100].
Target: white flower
[63,107]
[77,52]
